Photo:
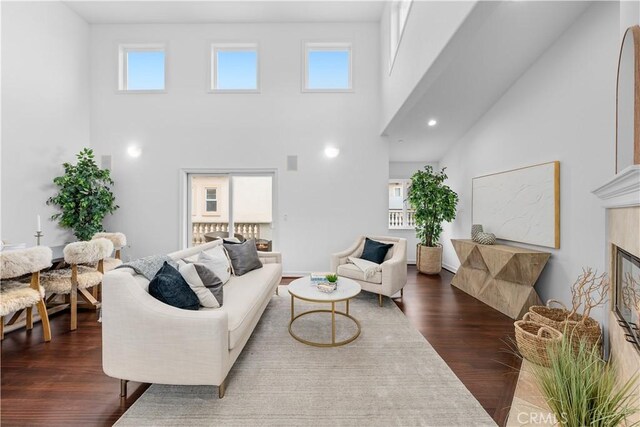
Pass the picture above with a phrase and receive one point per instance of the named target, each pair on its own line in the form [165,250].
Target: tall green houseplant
[84,196]
[433,203]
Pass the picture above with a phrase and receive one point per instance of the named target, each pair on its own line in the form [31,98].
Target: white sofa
[392,276]
[148,341]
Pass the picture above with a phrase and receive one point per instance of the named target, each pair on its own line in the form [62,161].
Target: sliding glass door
[230,205]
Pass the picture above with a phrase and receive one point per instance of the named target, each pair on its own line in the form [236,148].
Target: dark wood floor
[61,382]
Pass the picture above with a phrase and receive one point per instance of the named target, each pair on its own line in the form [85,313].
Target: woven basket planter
[429,260]
[534,339]
[577,328]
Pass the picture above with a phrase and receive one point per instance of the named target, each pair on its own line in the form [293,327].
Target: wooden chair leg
[44,318]
[94,292]
[73,297]
[29,320]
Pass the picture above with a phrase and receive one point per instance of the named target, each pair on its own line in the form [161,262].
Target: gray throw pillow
[244,256]
[204,283]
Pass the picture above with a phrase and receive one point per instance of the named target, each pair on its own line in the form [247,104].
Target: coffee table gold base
[333,312]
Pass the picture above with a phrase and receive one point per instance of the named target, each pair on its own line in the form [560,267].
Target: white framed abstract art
[521,205]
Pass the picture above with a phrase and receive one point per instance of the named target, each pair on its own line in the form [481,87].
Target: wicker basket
[577,328]
[533,340]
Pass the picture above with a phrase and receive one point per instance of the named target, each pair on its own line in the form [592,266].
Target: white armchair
[393,271]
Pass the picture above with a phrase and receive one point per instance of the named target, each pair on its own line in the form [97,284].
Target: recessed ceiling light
[400,141]
[134,151]
[331,152]
[432,122]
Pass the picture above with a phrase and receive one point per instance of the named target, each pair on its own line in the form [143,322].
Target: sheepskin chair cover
[119,240]
[87,252]
[15,296]
[24,261]
[59,281]
[108,264]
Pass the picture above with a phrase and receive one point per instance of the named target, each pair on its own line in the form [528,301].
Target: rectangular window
[327,67]
[397,21]
[234,67]
[211,200]
[401,214]
[142,68]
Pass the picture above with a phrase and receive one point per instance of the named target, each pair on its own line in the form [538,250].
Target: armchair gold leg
[380,300]
[402,293]
[222,388]
[1,327]
[123,388]
[277,290]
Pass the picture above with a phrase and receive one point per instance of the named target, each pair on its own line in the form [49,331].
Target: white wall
[404,170]
[562,108]
[45,111]
[629,15]
[319,209]
[429,27]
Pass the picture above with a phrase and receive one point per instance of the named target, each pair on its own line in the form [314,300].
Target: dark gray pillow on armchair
[244,256]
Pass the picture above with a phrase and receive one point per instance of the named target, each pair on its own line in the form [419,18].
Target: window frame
[397,27]
[207,199]
[212,78]
[124,49]
[326,46]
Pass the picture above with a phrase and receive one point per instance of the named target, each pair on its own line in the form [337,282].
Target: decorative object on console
[244,257]
[628,101]
[169,287]
[434,203]
[521,205]
[501,276]
[84,196]
[485,238]
[475,229]
[375,251]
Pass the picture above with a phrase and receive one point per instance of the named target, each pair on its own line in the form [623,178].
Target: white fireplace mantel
[621,191]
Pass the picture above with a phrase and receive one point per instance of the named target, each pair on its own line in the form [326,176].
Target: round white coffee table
[304,290]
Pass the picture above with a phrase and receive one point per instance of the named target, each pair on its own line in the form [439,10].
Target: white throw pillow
[217,261]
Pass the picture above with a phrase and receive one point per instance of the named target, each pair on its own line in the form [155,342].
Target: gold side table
[304,290]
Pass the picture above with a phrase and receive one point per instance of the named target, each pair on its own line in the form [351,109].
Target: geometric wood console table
[500,276]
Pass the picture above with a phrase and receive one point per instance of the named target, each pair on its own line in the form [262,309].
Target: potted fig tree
[433,203]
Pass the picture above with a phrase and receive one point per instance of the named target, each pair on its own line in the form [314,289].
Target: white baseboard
[450,267]
[295,273]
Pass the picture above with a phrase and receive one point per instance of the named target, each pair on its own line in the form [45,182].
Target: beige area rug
[389,376]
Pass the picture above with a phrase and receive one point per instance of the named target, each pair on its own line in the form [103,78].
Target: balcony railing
[401,219]
[249,231]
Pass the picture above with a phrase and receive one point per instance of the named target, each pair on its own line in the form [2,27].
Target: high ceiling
[492,49]
[214,11]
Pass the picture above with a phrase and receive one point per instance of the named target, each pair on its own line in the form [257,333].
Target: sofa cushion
[375,251]
[169,287]
[353,272]
[244,256]
[244,296]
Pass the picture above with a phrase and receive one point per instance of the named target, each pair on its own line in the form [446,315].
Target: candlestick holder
[38,235]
